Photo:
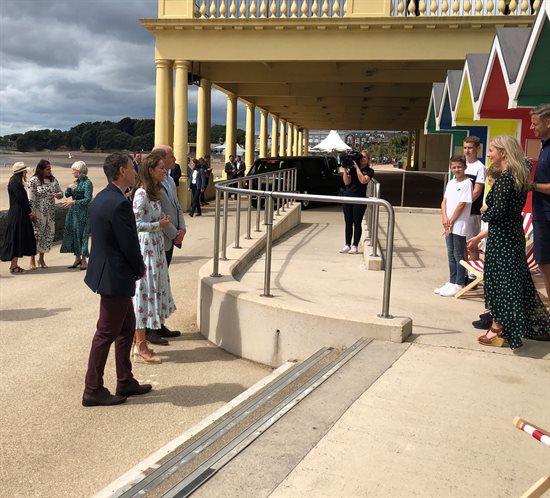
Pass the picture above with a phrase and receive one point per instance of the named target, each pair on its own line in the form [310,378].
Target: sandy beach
[61,168]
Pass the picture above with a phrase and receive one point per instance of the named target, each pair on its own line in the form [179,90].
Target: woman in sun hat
[19,238]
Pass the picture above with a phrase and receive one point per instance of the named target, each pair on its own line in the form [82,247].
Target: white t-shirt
[459,192]
[476,173]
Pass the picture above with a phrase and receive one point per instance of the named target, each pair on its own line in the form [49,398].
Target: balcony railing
[252,9]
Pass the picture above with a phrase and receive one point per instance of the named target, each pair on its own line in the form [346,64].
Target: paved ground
[50,446]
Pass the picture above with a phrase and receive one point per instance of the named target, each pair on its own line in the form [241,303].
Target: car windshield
[267,165]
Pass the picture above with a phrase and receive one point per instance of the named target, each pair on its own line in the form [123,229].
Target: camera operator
[357,173]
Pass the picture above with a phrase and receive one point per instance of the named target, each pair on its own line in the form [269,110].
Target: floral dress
[153,302]
[509,290]
[77,230]
[42,201]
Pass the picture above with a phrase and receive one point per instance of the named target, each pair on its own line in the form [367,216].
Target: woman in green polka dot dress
[510,294]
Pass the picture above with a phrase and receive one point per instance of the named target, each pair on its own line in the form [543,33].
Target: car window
[266,166]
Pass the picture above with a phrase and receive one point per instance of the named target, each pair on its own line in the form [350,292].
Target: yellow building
[313,64]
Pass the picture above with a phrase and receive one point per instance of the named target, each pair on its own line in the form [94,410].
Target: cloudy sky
[63,62]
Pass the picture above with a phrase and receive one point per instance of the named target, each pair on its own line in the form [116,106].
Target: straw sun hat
[18,167]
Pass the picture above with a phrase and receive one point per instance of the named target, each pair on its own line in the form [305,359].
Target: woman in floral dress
[43,190]
[510,294]
[153,302]
[76,230]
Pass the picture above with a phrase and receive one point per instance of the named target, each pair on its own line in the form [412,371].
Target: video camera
[347,160]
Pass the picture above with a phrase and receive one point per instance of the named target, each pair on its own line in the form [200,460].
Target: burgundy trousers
[117,323]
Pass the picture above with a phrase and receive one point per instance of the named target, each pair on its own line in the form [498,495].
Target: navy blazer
[115,257]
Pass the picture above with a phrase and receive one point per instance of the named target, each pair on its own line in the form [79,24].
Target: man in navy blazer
[114,266]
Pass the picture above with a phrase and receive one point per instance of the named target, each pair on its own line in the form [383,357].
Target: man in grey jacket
[173,232]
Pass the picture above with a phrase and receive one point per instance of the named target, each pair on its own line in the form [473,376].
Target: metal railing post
[249,213]
[388,266]
[277,188]
[216,259]
[376,214]
[238,219]
[258,207]
[268,246]
[224,231]
[282,188]
[403,189]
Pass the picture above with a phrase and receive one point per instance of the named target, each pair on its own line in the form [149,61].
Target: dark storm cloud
[68,61]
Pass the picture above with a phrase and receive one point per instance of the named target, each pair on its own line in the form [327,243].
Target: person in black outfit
[19,238]
[207,170]
[175,173]
[355,180]
[197,184]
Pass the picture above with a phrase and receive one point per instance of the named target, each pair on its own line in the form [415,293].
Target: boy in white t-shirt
[455,214]
[475,171]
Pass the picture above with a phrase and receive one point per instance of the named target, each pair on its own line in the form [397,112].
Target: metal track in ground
[232,448]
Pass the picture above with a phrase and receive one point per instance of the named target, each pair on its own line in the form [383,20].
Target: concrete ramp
[319,297]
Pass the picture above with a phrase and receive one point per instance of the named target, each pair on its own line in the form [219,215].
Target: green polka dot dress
[509,290]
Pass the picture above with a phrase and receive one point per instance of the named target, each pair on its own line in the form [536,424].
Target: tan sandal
[143,354]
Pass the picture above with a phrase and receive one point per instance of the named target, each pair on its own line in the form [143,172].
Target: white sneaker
[353,250]
[443,287]
[451,290]
[345,249]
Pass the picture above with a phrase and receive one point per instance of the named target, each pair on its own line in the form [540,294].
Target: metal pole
[403,189]
[216,259]
[283,189]
[258,205]
[374,237]
[388,268]
[278,189]
[224,232]
[238,218]
[249,213]
[268,246]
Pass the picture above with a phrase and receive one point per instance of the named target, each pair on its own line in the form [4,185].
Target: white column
[181,128]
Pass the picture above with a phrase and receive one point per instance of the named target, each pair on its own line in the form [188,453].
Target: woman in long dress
[76,231]
[19,238]
[153,302]
[43,191]
[510,294]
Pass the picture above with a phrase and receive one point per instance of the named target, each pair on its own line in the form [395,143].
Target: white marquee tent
[333,143]
[220,149]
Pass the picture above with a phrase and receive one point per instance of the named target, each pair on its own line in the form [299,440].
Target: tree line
[105,136]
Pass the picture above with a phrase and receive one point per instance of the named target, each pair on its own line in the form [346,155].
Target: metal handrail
[273,197]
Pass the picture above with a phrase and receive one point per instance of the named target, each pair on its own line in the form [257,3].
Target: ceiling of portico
[337,74]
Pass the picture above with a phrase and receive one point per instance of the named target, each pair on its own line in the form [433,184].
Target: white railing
[441,8]
[247,9]
[252,9]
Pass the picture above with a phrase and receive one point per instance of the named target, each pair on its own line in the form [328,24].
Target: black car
[315,174]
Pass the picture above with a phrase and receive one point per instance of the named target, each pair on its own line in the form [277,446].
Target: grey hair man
[174,232]
[540,125]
